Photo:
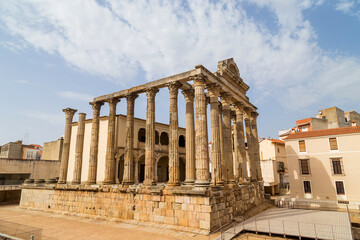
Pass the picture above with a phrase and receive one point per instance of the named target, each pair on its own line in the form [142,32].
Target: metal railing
[20,231]
[288,228]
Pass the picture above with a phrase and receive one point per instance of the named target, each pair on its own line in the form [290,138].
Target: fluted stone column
[69,114]
[236,152]
[221,140]
[150,138]
[110,147]
[253,122]
[190,137]
[129,142]
[215,135]
[228,155]
[79,149]
[174,165]
[250,144]
[94,145]
[239,110]
[202,150]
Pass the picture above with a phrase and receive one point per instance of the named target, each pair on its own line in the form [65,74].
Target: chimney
[353,123]
[19,142]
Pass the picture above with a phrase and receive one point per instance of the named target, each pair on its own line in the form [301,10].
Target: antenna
[26,137]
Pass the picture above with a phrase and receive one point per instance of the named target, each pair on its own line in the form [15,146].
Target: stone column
[254,131]
[239,110]
[235,148]
[202,150]
[129,142]
[79,149]
[94,145]
[190,137]
[228,155]
[150,138]
[174,165]
[250,144]
[110,147]
[69,114]
[221,140]
[215,135]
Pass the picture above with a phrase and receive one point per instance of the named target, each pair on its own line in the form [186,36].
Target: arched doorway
[141,168]
[163,169]
[121,168]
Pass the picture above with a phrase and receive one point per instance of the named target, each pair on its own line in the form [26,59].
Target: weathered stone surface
[197,213]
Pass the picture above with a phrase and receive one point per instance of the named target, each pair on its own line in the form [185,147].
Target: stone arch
[181,141]
[164,138]
[141,135]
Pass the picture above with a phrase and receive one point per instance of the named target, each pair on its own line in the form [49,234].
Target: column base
[75,182]
[149,183]
[202,183]
[189,182]
[128,182]
[61,182]
[90,183]
[174,184]
[108,182]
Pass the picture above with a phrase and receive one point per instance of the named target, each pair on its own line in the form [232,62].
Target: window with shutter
[307,187]
[304,166]
[340,190]
[336,164]
[302,147]
[333,144]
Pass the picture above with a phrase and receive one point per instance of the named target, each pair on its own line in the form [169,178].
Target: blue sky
[296,56]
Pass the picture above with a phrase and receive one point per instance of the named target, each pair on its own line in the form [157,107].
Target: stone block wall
[185,208]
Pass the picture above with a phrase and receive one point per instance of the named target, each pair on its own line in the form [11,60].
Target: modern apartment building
[274,166]
[324,166]
[328,118]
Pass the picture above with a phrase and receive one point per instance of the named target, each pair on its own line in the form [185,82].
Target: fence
[19,231]
[288,228]
[319,205]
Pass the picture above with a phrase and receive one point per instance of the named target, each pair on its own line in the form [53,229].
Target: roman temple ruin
[129,169]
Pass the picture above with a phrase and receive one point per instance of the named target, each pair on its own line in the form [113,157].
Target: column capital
[247,112]
[69,112]
[188,95]
[113,100]
[254,115]
[173,87]
[198,78]
[96,105]
[225,99]
[239,107]
[151,92]
[214,90]
[131,97]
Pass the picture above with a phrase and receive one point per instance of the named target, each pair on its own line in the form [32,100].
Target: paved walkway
[297,222]
[56,226]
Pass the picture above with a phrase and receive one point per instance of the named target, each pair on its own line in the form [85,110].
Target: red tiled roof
[277,141]
[325,132]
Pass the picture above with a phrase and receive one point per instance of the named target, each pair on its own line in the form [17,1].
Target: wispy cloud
[51,118]
[75,96]
[119,39]
[23,82]
[350,7]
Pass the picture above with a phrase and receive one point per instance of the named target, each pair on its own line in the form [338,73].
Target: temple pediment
[228,69]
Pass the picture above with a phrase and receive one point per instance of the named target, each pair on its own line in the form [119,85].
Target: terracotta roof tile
[277,141]
[325,132]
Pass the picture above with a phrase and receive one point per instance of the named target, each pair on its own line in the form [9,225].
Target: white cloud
[350,7]
[122,38]
[75,96]
[51,118]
